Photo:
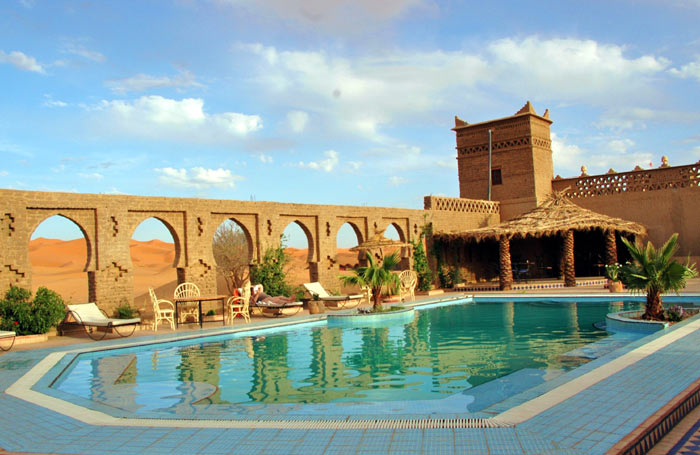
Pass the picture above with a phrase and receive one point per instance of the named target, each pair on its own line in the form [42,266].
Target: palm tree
[375,276]
[656,272]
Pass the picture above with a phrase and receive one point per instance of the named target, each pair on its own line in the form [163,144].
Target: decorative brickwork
[456,204]
[108,222]
[646,180]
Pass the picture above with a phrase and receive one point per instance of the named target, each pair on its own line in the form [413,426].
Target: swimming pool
[441,353]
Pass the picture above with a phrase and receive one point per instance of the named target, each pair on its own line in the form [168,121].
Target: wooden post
[568,253]
[505,277]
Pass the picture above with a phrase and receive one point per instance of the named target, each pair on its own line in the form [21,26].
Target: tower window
[496,178]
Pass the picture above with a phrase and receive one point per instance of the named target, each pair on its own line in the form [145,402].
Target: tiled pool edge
[654,428]
[22,389]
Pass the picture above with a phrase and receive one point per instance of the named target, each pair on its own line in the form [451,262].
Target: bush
[25,316]
[675,313]
[444,277]
[270,272]
[211,313]
[421,266]
[126,311]
[455,276]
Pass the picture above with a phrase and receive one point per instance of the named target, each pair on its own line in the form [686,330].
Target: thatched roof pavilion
[557,216]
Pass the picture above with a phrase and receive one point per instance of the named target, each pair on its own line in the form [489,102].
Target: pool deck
[594,409]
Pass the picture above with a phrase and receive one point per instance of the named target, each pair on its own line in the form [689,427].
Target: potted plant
[612,273]
[656,272]
[376,276]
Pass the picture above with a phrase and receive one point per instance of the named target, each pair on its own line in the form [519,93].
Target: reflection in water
[442,351]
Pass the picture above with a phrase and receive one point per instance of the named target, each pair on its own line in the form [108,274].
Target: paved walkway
[590,422]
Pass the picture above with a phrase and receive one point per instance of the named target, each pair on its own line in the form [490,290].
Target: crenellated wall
[108,222]
[665,200]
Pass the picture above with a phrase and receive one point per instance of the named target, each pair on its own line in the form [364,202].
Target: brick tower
[521,160]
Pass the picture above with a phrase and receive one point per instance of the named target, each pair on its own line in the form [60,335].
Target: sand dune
[59,265]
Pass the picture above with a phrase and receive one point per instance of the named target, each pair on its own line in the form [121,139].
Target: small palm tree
[375,276]
[656,272]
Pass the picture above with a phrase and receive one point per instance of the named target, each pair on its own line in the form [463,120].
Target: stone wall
[665,200]
[108,222]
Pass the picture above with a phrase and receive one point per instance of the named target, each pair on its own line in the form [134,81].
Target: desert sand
[59,265]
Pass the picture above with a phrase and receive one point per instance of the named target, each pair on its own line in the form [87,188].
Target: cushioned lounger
[278,309]
[89,315]
[315,289]
[6,334]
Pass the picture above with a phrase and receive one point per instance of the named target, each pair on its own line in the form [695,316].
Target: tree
[231,250]
[376,276]
[655,272]
[421,266]
[270,271]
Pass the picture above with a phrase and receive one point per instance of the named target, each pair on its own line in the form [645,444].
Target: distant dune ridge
[59,265]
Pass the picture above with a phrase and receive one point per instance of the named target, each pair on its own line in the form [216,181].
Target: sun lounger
[272,309]
[89,315]
[340,301]
[5,334]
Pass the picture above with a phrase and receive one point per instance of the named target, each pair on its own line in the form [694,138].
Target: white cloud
[27,3]
[91,175]
[327,165]
[156,117]
[297,120]
[571,69]
[3,173]
[267,159]
[620,146]
[397,181]
[623,118]
[337,16]
[197,177]
[366,94]
[141,82]
[72,47]
[22,61]
[55,103]
[617,154]
[691,70]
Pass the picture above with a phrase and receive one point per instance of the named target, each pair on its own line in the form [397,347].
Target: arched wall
[108,221]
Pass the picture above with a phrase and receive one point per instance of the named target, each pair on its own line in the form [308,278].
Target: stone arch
[173,232]
[361,257]
[309,238]
[232,272]
[246,233]
[89,263]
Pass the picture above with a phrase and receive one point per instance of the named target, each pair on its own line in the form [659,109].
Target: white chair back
[185,290]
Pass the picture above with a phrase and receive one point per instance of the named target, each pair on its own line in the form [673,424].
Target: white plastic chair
[239,305]
[162,314]
[409,279]
[183,291]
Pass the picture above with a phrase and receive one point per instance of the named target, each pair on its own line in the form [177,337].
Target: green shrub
[444,277]
[211,313]
[126,311]
[25,316]
[421,266]
[455,276]
[270,271]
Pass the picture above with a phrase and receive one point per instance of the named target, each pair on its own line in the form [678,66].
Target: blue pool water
[441,352]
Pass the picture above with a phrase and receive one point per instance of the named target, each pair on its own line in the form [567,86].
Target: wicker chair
[239,305]
[409,279]
[162,314]
[185,290]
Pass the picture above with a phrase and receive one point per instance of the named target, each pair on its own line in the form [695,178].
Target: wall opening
[59,255]
[233,252]
[152,248]
[299,246]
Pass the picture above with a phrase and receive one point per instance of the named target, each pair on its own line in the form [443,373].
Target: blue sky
[331,101]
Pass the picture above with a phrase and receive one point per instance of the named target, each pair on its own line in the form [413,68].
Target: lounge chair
[88,315]
[275,309]
[239,305]
[161,313]
[340,301]
[409,279]
[183,291]
[4,334]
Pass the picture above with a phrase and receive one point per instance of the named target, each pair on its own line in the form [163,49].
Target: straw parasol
[556,216]
[379,242]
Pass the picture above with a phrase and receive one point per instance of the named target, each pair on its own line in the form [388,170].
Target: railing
[456,204]
[633,181]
